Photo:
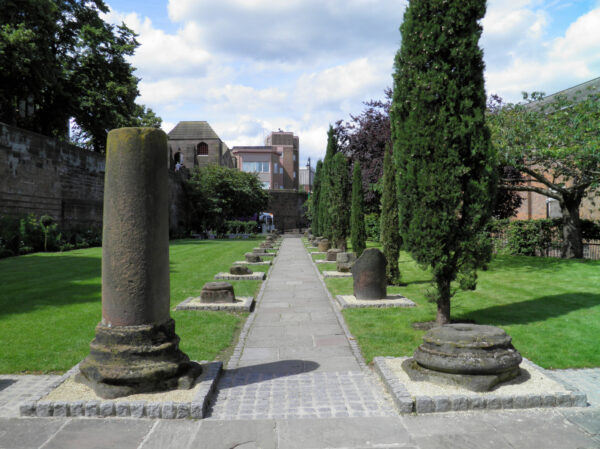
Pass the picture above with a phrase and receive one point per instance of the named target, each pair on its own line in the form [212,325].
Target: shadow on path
[5,383]
[247,375]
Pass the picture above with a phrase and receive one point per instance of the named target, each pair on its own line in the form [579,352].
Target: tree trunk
[443,303]
[572,240]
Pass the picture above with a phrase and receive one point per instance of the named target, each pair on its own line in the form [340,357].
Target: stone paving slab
[259,276]
[161,405]
[407,402]
[241,304]
[397,300]
[257,392]
[16,389]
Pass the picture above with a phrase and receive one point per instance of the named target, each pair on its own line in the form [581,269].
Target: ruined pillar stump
[136,349]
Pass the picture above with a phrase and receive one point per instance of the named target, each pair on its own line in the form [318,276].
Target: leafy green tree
[315,199]
[60,60]
[339,207]
[556,144]
[218,194]
[390,227]
[446,164]
[358,233]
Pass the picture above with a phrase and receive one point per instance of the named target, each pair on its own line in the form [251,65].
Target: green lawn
[551,308]
[50,304]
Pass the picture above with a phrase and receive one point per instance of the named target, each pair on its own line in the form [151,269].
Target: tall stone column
[136,349]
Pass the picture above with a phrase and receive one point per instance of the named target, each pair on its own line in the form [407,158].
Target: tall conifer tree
[315,199]
[358,233]
[339,207]
[326,203]
[446,165]
[390,232]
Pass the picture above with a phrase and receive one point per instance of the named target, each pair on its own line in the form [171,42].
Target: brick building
[276,163]
[195,144]
[536,205]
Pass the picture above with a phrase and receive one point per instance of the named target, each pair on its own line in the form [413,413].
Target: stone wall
[42,176]
[287,207]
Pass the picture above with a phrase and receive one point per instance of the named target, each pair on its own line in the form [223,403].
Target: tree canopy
[218,194]
[556,144]
[61,61]
[364,138]
[390,232]
[445,162]
[358,232]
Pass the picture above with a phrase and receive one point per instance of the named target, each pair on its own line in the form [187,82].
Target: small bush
[372,227]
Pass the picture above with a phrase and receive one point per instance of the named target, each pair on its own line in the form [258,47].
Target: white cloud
[292,30]
[544,65]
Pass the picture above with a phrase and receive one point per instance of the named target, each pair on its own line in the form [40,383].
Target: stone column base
[127,360]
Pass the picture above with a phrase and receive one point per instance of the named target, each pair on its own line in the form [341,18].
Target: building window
[294,175]
[281,170]
[276,170]
[294,157]
[255,167]
[266,185]
[202,149]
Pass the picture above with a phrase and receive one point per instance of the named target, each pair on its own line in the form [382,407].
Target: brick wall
[287,207]
[40,175]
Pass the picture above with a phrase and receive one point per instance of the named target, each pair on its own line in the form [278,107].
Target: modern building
[276,163]
[307,177]
[195,144]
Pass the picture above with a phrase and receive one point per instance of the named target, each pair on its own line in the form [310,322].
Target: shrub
[372,227]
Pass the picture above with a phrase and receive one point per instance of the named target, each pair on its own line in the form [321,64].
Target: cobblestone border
[237,352]
[353,344]
[405,403]
[390,301]
[123,408]
[244,306]
[336,274]
[258,276]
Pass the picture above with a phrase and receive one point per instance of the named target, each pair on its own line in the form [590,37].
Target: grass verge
[550,307]
[50,304]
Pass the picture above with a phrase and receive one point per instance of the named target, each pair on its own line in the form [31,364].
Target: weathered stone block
[123,409]
[344,261]
[332,254]
[368,273]
[239,269]
[323,245]
[252,258]
[424,404]
[77,408]
[217,292]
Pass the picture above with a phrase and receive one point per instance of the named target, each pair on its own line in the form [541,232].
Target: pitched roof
[192,131]
[579,92]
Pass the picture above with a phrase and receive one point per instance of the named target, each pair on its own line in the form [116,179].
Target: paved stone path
[296,361]
[295,382]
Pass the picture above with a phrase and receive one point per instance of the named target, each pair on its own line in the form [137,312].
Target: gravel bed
[533,389]
[350,302]
[241,304]
[69,398]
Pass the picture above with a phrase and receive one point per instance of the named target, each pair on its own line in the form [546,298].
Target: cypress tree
[315,199]
[390,231]
[339,207]
[358,233]
[446,165]
[326,203]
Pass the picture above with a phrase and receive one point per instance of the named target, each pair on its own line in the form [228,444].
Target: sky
[249,67]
